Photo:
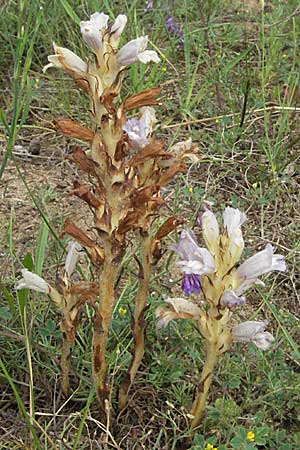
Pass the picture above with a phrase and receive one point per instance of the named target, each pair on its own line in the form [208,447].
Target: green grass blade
[21,405]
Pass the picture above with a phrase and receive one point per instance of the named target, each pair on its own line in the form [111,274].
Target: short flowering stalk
[68,298]
[213,275]
[127,167]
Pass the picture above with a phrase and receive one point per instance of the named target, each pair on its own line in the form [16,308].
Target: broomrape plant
[68,298]
[126,168]
[220,284]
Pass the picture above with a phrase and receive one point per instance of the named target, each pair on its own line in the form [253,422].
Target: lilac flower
[252,331]
[191,284]
[139,129]
[195,260]
[92,30]
[263,262]
[231,300]
[149,5]
[135,51]
[173,27]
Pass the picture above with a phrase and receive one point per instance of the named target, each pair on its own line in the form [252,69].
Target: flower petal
[263,262]
[246,331]
[178,308]
[138,130]
[117,29]
[232,300]
[67,60]
[211,231]
[135,51]
[233,219]
[147,56]
[72,257]
[263,340]
[32,281]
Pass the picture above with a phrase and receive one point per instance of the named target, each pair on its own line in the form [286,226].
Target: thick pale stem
[204,384]
[102,321]
[138,320]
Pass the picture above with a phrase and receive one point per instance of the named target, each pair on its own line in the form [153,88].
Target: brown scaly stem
[65,365]
[138,319]
[198,406]
[102,321]
[68,338]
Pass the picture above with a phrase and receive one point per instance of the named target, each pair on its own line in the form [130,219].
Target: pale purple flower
[253,331]
[92,30]
[149,5]
[194,259]
[263,262]
[173,27]
[231,300]
[32,281]
[139,129]
[135,51]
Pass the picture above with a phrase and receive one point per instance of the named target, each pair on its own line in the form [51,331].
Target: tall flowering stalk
[213,274]
[127,168]
[68,297]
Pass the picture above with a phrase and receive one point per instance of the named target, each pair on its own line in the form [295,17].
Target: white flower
[263,262]
[252,331]
[138,130]
[233,219]
[211,232]
[92,30]
[135,51]
[263,340]
[178,308]
[195,259]
[73,255]
[231,300]
[32,281]
[67,60]
[117,29]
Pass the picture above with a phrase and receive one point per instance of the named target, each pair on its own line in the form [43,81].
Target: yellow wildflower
[210,447]
[250,436]
[122,311]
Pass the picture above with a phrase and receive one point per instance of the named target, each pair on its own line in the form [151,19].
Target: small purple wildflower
[173,27]
[149,5]
[191,284]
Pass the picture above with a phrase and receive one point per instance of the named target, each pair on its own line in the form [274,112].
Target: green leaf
[41,247]
[10,300]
